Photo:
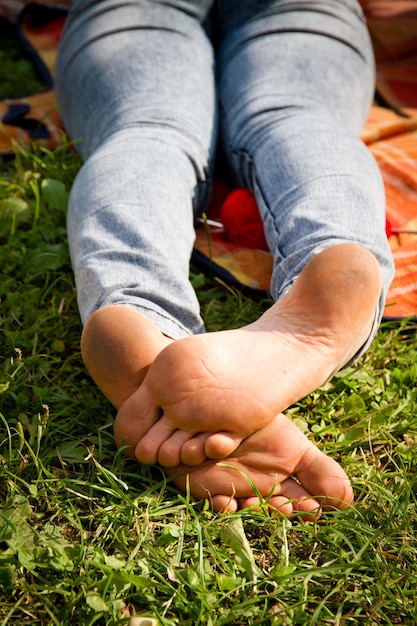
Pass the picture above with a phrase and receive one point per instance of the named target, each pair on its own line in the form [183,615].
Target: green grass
[88,537]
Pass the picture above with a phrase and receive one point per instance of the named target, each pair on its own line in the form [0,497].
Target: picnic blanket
[390,134]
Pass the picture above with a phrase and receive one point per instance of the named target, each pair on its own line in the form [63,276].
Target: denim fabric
[145,87]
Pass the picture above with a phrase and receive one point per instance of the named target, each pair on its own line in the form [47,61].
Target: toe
[296,497]
[221,445]
[193,451]
[134,418]
[323,477]
[169,453]
[147,449]
[224,504]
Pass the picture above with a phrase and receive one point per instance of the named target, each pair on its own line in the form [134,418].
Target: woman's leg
[296,85]
[135,86]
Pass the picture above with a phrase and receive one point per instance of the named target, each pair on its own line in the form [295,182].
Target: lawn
[88,537]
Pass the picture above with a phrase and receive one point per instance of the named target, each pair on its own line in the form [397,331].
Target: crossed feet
[208,408]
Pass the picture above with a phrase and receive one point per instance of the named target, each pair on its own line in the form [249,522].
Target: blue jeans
[146,87]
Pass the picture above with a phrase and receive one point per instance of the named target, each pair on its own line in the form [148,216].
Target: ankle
[333,301]
[340,286]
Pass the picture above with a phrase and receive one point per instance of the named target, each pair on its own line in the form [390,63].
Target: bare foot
[230,384]
[119,344]
[286,468]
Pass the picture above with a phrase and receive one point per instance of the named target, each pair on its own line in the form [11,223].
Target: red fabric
[242,221]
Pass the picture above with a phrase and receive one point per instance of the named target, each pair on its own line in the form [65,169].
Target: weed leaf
[233,534]
[54,194]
